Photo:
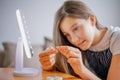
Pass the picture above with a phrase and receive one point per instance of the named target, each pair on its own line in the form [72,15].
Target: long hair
[70,8]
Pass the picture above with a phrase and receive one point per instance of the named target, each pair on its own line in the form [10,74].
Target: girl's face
[79,32]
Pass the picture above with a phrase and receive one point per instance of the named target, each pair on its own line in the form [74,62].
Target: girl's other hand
[47,58]
[74,57]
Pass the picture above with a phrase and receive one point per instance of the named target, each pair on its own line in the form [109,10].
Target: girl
[85,48]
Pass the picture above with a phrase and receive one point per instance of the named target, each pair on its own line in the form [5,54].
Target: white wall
[40,16]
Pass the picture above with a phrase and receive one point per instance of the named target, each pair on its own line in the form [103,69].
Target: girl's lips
[81,43]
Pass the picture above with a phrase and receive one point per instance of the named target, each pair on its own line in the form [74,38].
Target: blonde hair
[70,8]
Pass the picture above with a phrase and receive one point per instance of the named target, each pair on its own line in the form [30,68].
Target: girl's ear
[93,20]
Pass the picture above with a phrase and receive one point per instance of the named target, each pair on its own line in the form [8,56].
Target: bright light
[23,35]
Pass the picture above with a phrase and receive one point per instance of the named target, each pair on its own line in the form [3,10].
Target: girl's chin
[84,48]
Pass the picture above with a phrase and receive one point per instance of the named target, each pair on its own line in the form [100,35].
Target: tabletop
[7,74]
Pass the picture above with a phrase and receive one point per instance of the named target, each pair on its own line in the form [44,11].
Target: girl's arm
[86,74]
[114,71]
[74,58]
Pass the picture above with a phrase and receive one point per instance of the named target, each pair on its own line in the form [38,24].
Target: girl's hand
[74,57]
[47,58]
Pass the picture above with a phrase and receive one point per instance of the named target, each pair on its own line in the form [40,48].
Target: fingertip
[49,48]
[53,50]
[56,51]
[57,47]
[69,60]
[62,49]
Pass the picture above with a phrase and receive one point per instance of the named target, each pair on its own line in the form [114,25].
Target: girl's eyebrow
[73,25]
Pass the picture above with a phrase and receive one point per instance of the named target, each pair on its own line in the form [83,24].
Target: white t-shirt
[110,40]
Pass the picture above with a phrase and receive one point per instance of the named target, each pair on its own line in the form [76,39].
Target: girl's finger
[44,58]
[63,49]
[72,54]
[69,51]
[48,52]
[72,60]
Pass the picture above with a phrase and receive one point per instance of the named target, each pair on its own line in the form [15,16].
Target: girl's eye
[75,29]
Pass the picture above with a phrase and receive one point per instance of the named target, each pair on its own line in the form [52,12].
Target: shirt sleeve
[115,43]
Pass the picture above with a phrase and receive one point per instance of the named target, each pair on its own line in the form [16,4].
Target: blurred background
[40,14]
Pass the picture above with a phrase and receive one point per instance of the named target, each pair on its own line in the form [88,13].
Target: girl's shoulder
[113,29]
[115,40]
[105,41]
[110,40]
